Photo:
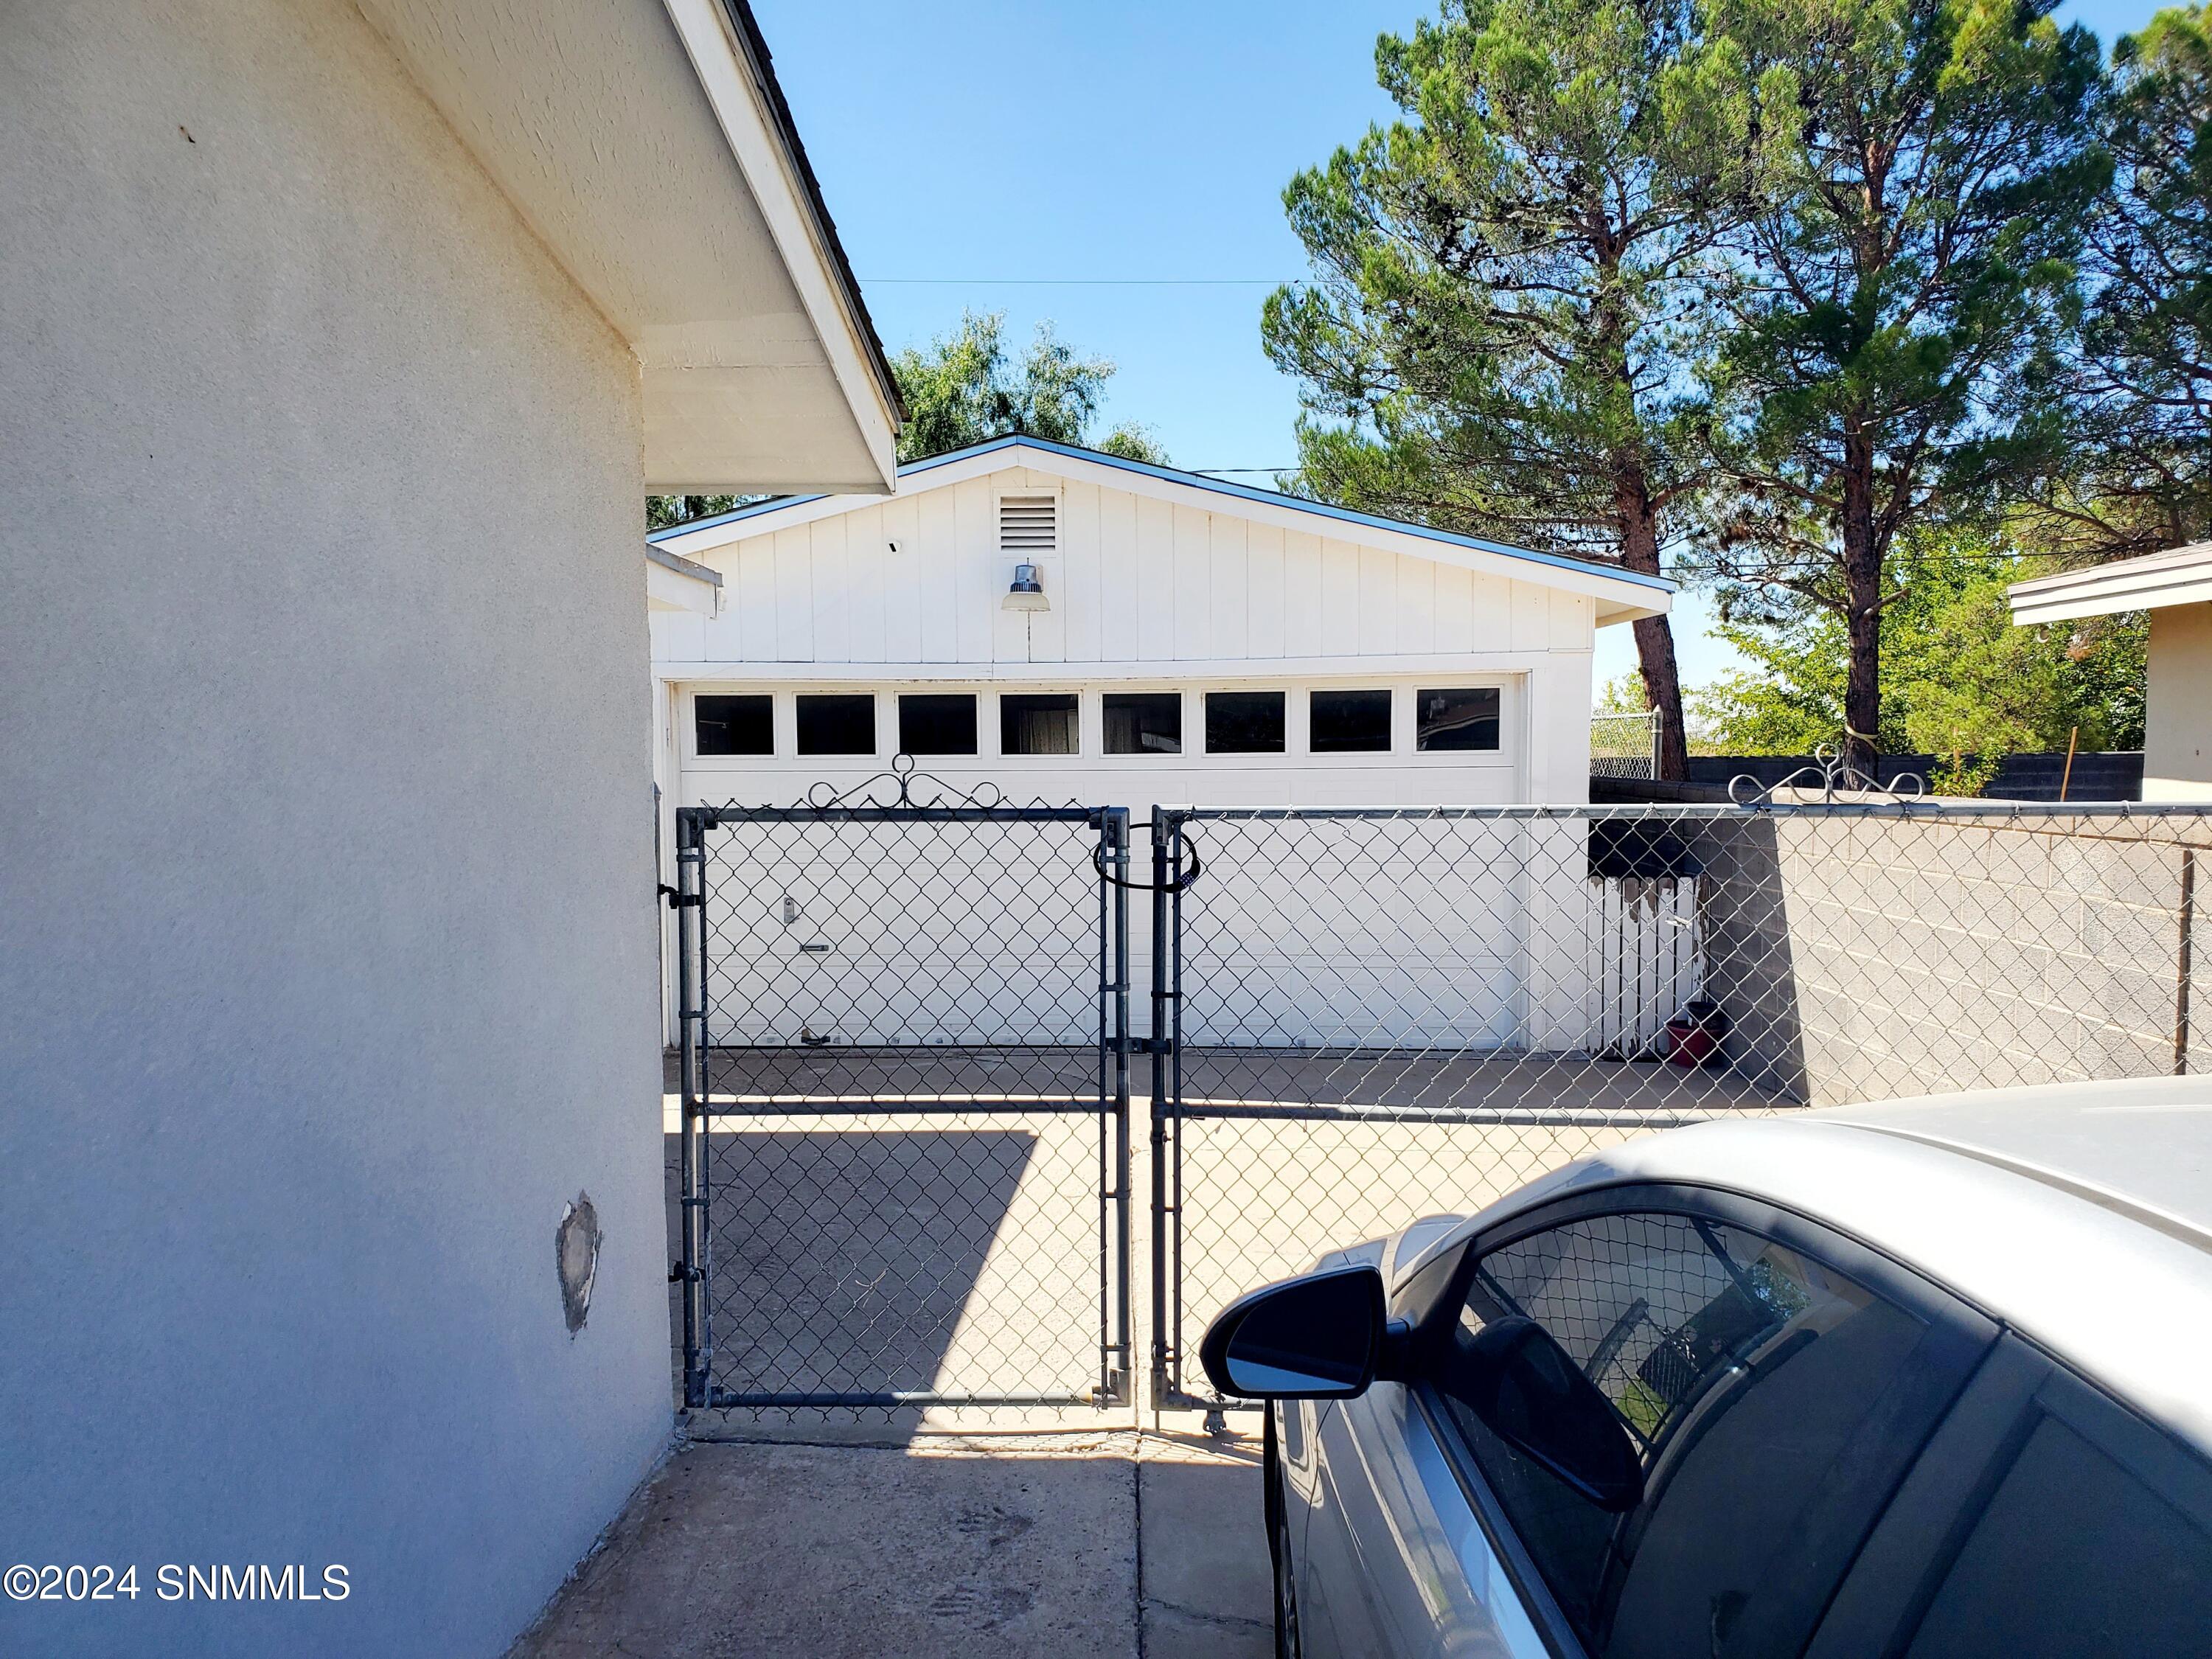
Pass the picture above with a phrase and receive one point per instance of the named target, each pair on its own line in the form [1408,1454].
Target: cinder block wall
[1868,957]
[328,968]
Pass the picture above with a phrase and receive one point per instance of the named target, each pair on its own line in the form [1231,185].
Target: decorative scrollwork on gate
[904,776]
[1827,773]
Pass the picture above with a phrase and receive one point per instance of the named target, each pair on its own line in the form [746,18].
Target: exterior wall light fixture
[1028,592]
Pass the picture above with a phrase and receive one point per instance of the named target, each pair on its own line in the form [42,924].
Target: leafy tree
[1889,303]
[1507,284]
[966,389]
[1961,680]
[1621,694]
[662,511]
[2138,384]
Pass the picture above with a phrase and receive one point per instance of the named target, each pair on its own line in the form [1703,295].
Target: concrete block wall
[1867,958]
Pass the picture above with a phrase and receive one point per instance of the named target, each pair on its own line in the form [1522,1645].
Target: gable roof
[1621,594]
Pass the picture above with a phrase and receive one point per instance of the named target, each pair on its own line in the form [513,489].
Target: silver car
[1916,1380]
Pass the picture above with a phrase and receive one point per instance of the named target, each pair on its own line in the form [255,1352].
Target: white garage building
[1193,642]
[1072,626]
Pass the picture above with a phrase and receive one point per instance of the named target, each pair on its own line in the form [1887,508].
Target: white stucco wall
[325,897]
[2178,694]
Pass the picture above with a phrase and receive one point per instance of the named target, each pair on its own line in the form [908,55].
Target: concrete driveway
[959,1250]
[1105,1546]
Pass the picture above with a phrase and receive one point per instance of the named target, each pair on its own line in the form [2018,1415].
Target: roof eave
[648,149]
[2180,575]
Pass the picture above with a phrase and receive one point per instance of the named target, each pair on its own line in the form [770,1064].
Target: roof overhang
[677,583]
[2181,575]
[1620,596]
[646,144]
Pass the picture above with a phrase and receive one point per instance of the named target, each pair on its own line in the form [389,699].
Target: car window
[2075,1554]
[1772,1400]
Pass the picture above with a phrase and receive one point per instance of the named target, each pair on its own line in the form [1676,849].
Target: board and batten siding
[1135,580]
[1146,593]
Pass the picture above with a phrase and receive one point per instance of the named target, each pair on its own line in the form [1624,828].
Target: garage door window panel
[934,723]
[1244,722]
[1144,722]
[1456,718]
[837,723]
[1772,1401]
[1349,723]
[725,724]
[1039,723]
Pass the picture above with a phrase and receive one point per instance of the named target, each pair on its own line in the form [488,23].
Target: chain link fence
[903,1165]
[1376,1015]
[1624,745]
[904,1105]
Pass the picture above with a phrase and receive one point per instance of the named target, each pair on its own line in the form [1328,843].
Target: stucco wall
[2178,724]
[324,789]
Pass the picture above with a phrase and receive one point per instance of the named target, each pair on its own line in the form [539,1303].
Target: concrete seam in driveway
[1233,1620]
[947,1547]
[1137,1524]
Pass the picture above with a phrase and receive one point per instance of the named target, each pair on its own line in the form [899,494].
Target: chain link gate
[903,1073]
[1363,1015]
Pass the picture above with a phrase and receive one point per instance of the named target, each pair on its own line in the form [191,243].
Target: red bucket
[1689,1043]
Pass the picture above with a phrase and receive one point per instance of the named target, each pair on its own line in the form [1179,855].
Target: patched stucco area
[324,791]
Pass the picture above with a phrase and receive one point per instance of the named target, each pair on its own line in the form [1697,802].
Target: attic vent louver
[1028,526]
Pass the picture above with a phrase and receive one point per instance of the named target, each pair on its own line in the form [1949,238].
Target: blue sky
[986,147]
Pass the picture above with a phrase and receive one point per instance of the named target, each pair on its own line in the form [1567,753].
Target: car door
[1395,1560]
[2046,1521]
[1776,1380]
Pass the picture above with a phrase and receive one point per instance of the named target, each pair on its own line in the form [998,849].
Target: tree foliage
[2136,383]
[967,388]
[1892,297]
[1497,337]
[1960,679]
[662,511]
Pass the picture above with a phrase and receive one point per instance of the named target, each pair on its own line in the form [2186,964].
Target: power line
[1211,471]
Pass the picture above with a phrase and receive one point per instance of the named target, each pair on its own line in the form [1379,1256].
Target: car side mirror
[1532,1395]
[1316,1337]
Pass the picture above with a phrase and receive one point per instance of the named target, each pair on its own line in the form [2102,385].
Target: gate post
[690,901]
[1114,826]
[1161,1389]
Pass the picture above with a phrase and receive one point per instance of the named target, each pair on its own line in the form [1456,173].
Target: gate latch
[681,901]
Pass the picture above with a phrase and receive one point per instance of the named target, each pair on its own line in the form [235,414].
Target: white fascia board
[1618,600]
[677,583]
[2179,575]
[2068,599]
[1195,670]
[741,108]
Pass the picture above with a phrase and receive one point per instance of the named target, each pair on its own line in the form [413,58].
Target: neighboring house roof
[647,145]
[1621,594]
[2180,575]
